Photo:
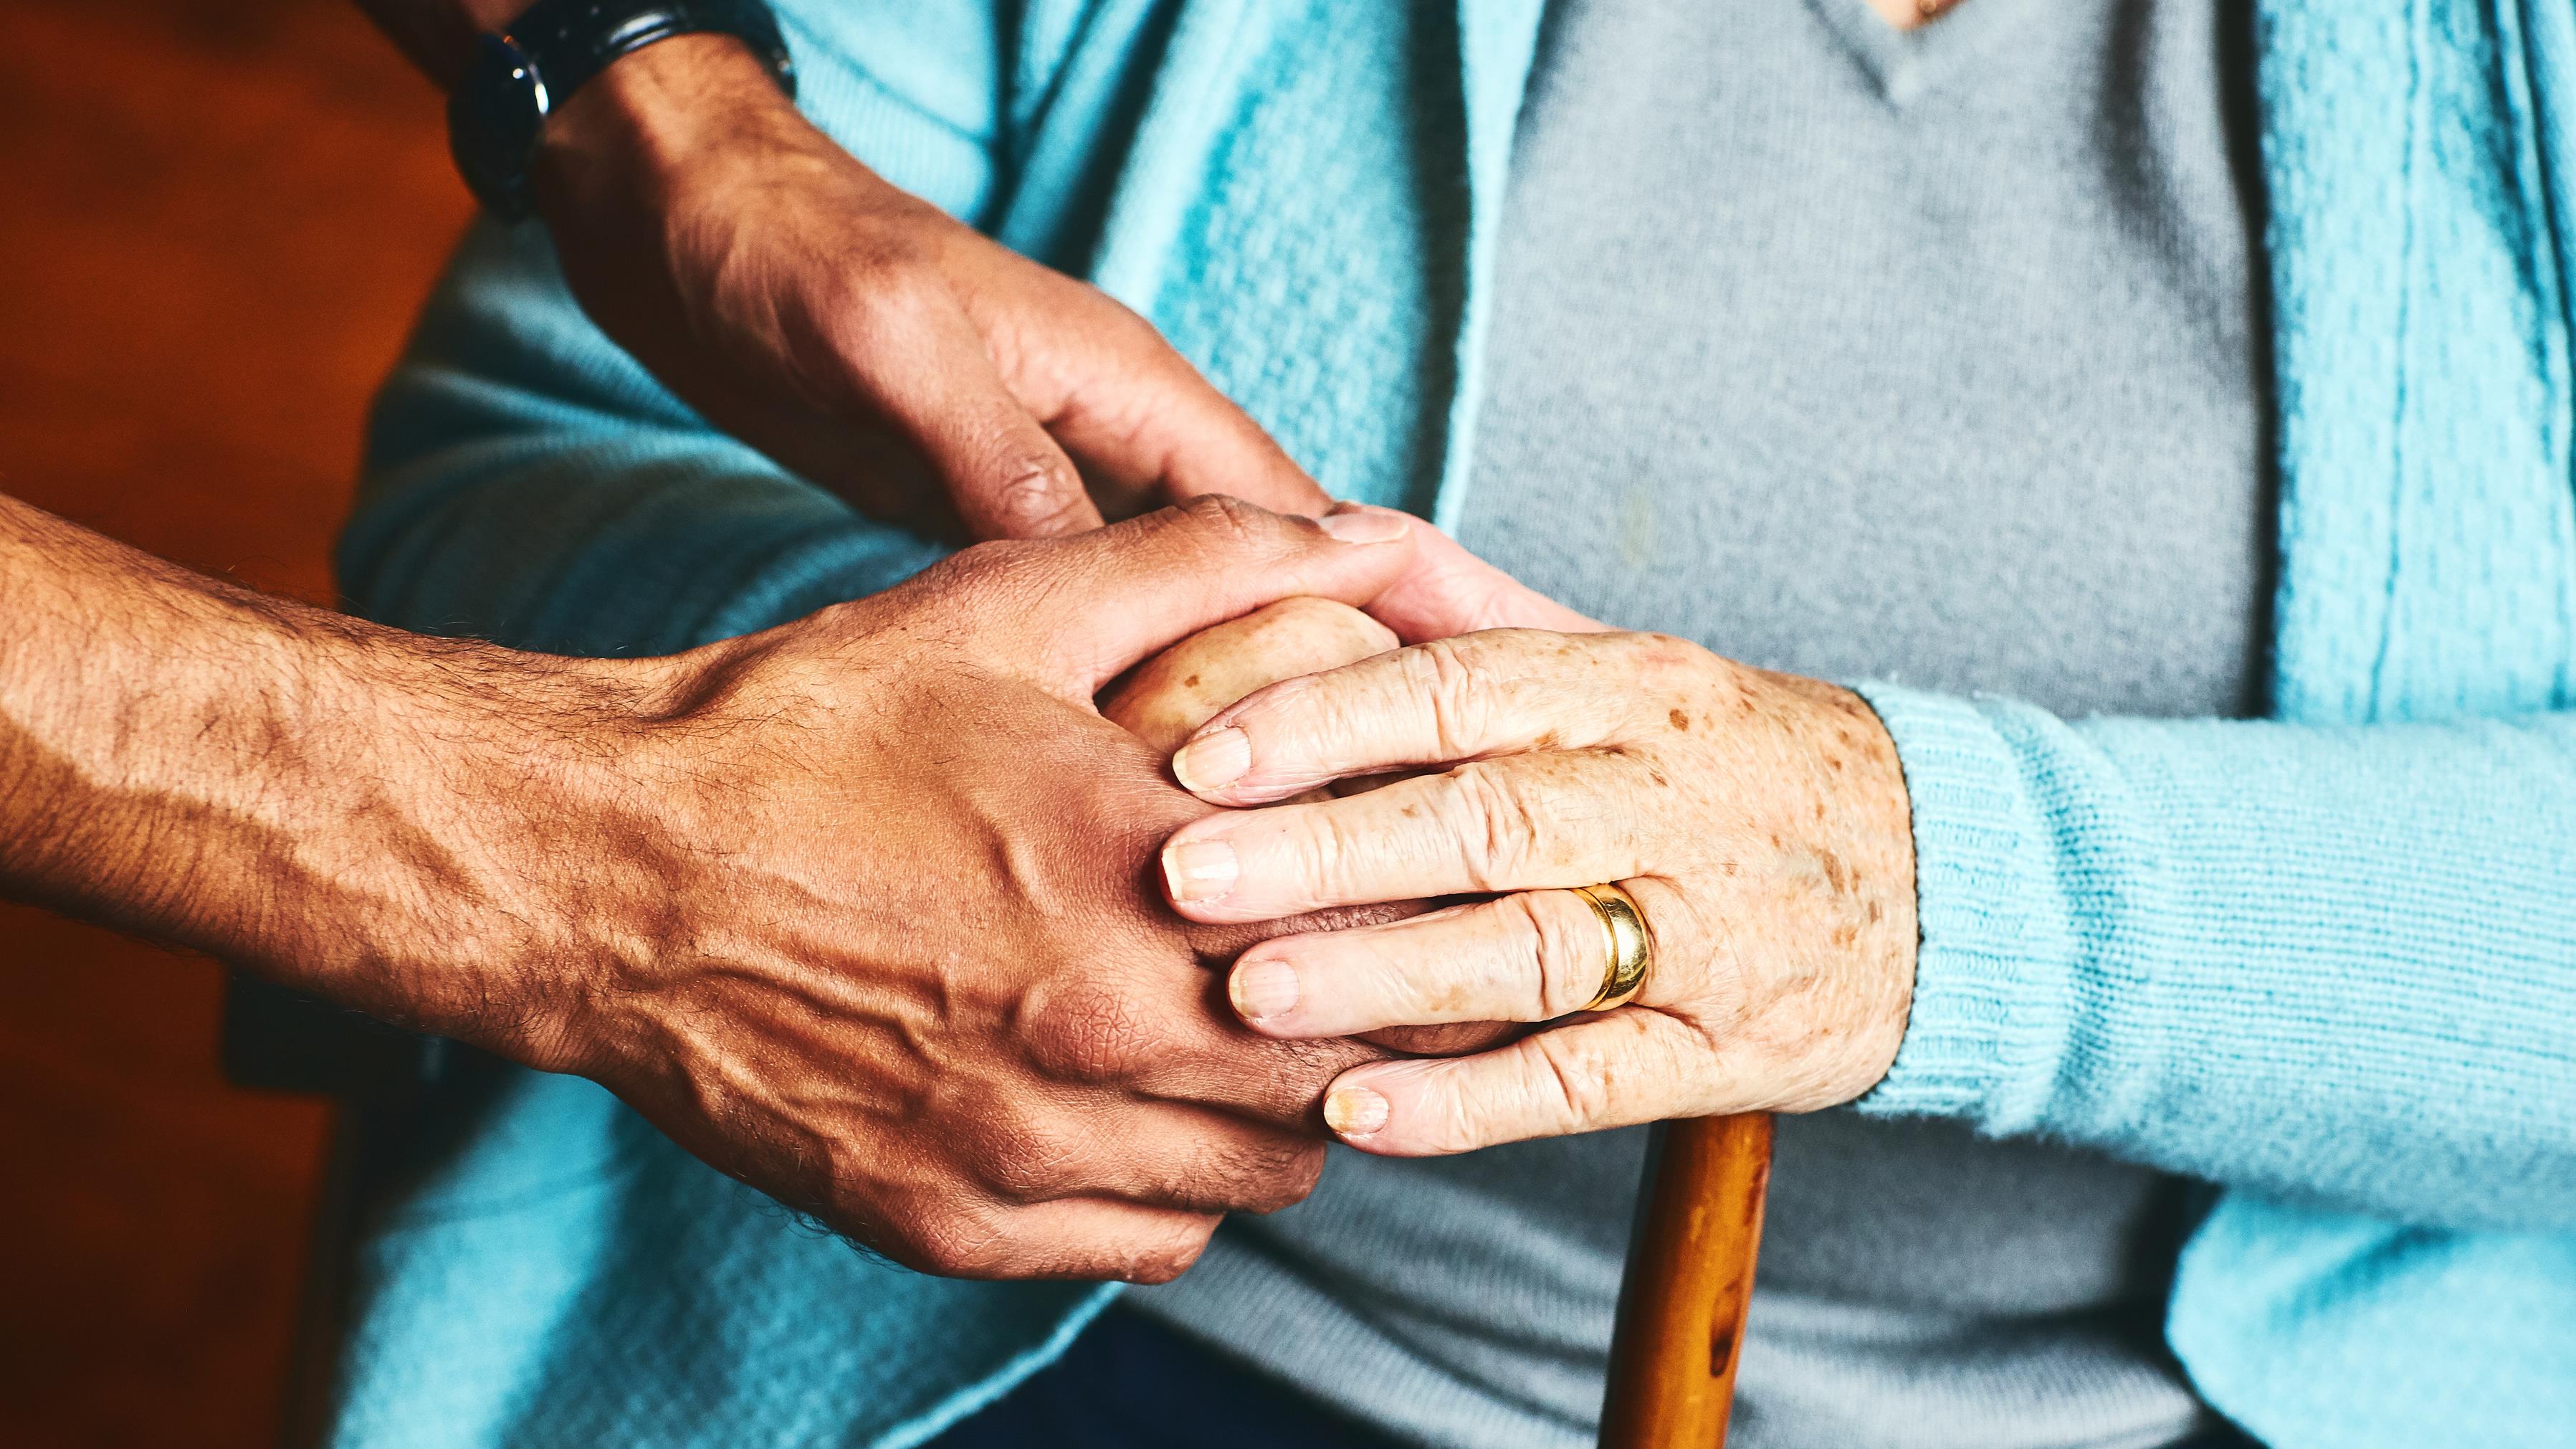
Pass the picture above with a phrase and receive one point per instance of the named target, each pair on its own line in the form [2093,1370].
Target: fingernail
[1354,1111]
[1199,870]
[1263,989]
[1212,762]
[1366,525]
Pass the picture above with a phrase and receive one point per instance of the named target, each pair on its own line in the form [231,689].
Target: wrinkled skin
[1178,690]
[1760,820]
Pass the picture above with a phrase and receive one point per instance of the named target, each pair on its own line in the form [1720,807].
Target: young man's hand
[858,909]
[871,343]
[859,335]
[877,930]
[866,340]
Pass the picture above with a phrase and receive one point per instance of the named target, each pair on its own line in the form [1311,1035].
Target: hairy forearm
[356,811]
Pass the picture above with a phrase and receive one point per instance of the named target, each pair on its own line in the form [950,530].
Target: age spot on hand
[1837,873]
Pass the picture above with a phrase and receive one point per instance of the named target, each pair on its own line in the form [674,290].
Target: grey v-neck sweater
[1932,357]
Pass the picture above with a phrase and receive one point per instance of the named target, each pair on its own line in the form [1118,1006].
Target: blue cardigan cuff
[1989,979]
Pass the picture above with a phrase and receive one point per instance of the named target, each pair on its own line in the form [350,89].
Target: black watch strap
[522,75]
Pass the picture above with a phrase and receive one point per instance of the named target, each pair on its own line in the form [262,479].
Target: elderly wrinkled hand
[1759,821]
[1170,696]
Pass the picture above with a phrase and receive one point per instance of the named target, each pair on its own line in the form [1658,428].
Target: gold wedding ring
[1631,955]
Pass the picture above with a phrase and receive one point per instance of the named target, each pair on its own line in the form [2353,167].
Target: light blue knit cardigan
[2328,960]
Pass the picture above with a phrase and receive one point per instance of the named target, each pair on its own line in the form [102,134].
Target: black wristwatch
[519,77]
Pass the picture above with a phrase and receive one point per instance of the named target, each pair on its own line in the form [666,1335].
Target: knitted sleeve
[2335,964]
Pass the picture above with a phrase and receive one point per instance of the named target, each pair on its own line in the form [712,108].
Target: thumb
[1446,590]
[1093,606]
[1165,434]
[1147,427]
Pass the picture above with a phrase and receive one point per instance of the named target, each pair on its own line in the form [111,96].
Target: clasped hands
[910,933]
[1758,820]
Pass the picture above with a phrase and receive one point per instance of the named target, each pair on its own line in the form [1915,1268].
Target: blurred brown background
[216,218]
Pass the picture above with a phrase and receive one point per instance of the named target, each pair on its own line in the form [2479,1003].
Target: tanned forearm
[352,810]
[851,908]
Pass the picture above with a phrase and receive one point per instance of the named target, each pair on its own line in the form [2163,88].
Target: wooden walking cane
[1688,1284]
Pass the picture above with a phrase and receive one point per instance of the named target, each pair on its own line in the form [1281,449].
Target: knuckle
[1034,496]
[955,1243]
[1092,1034]
[1578,1084]
[1496,825]
[1568,955]
[1170,1255]
[1332,856]
[1443,675]
[1267,1175]
[1025,1158]
[1450,1121]
[1228,520]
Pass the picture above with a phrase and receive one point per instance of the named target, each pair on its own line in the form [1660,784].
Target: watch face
[497,109]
